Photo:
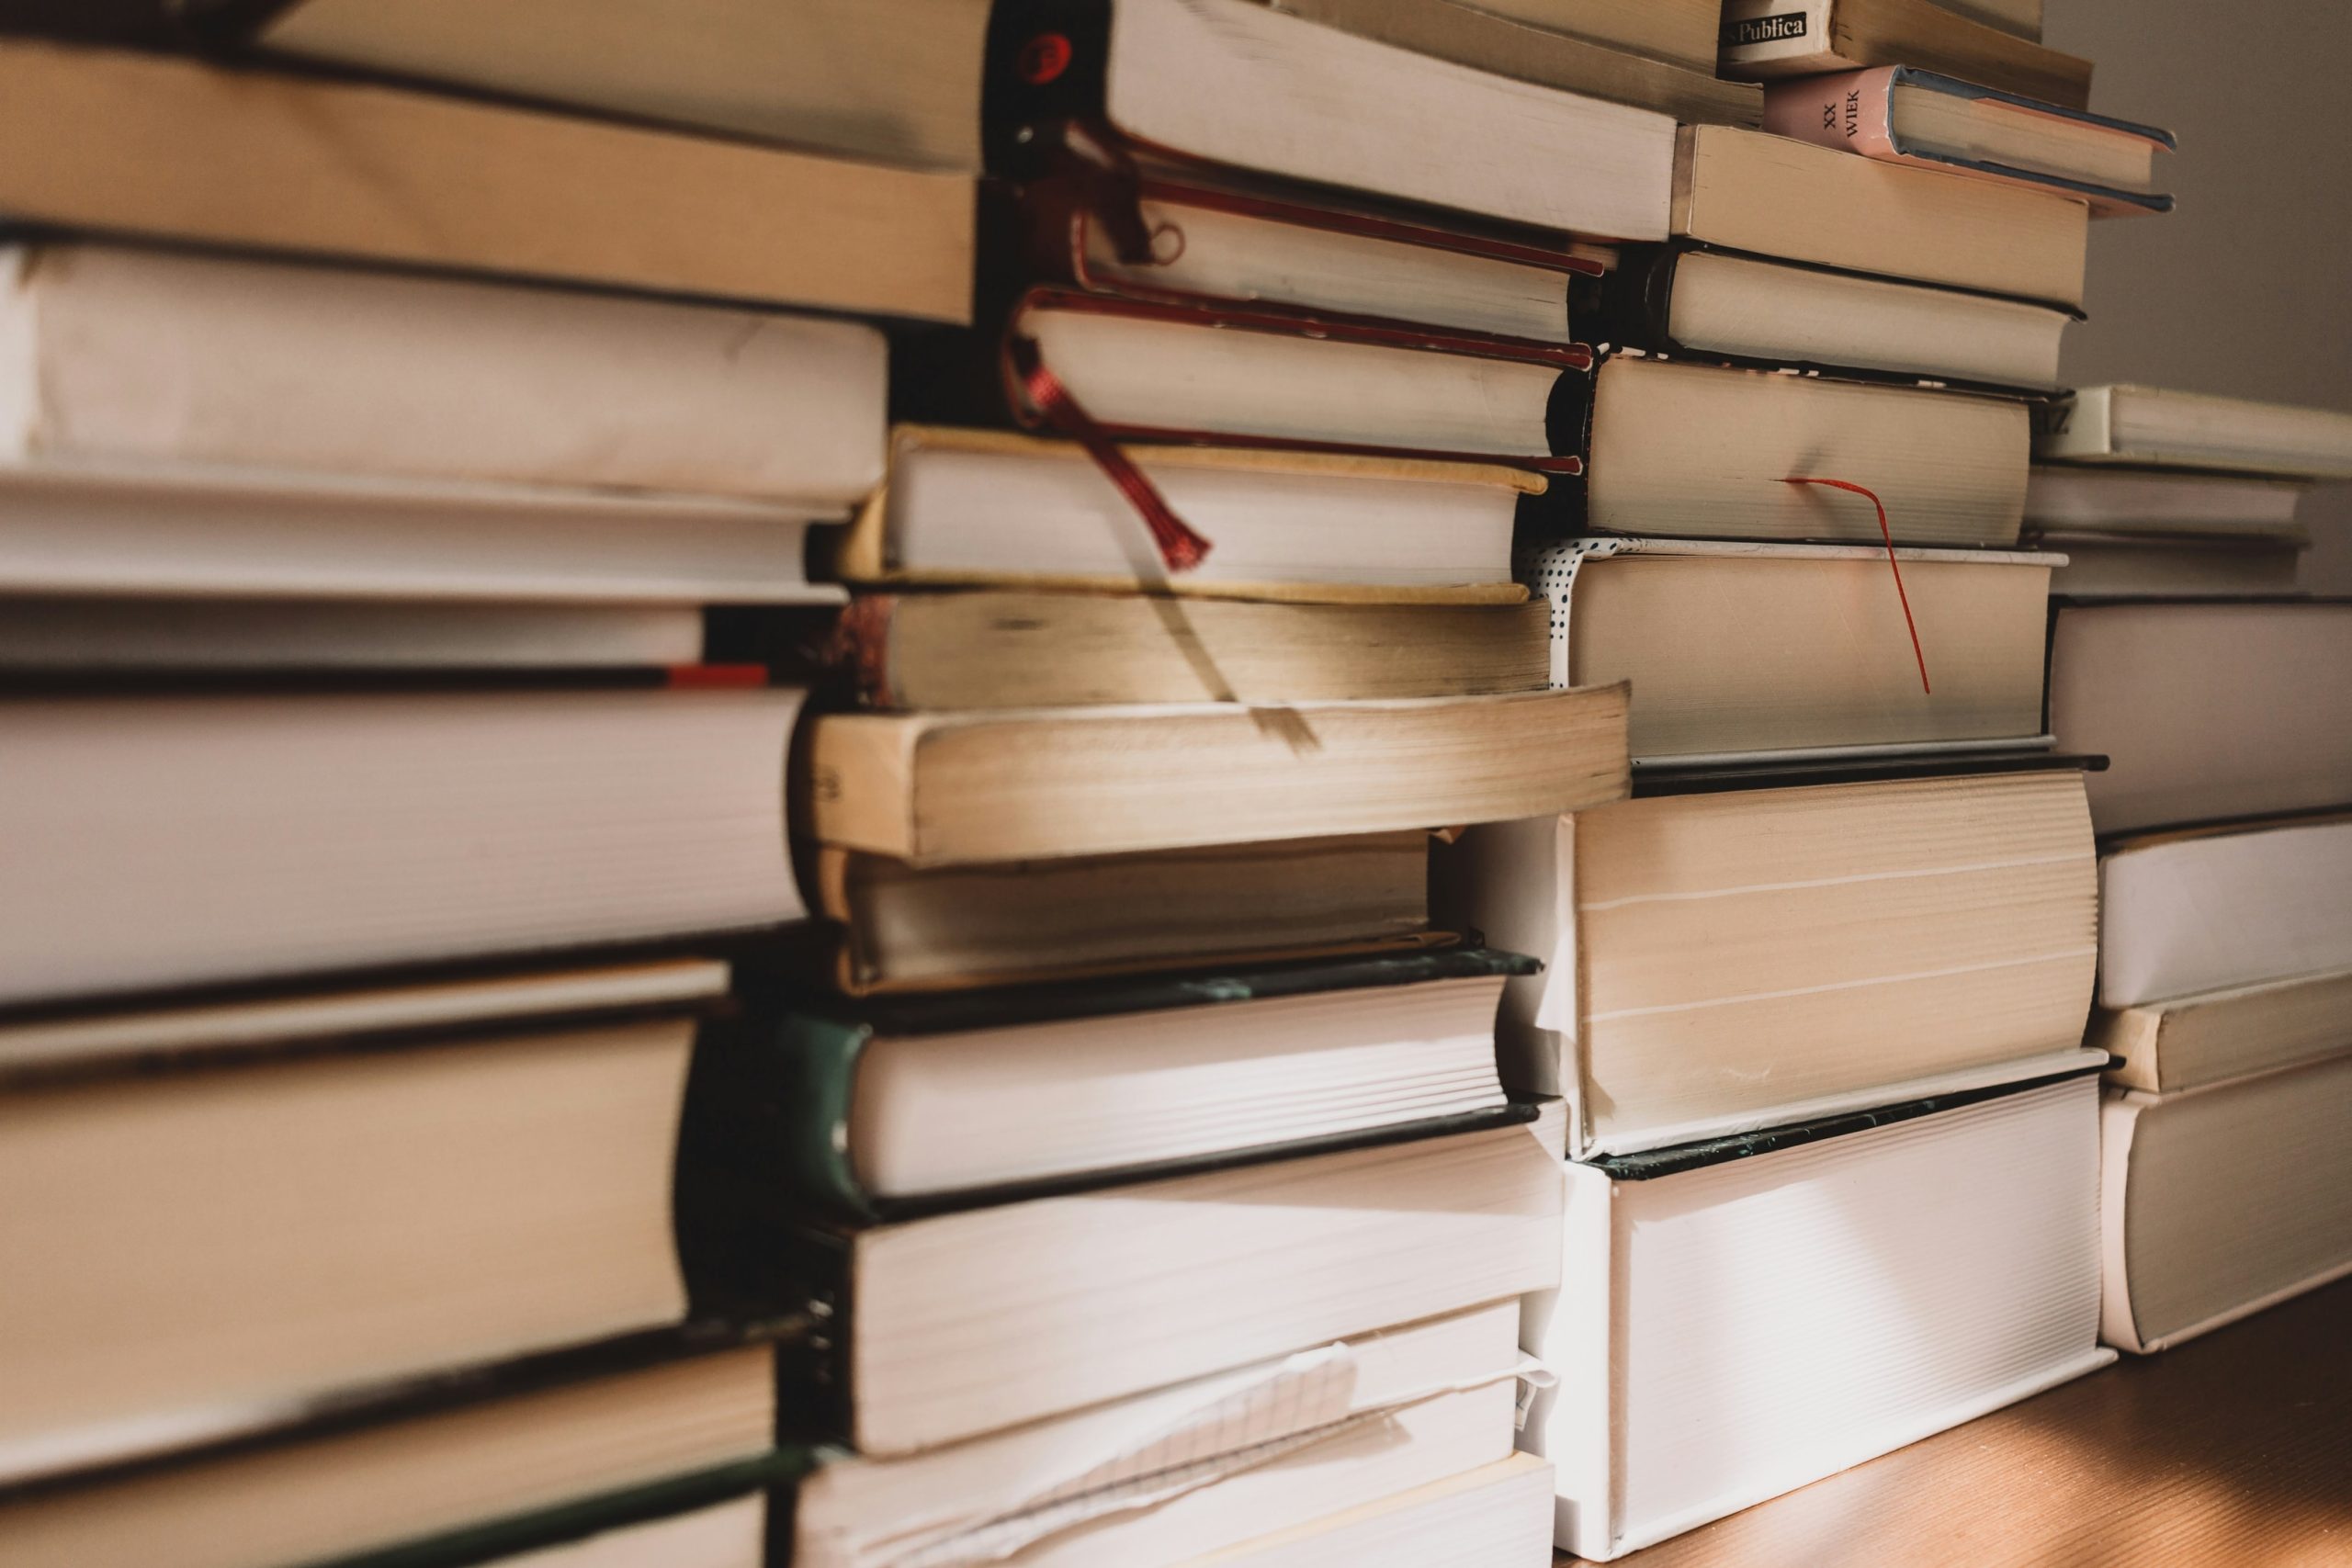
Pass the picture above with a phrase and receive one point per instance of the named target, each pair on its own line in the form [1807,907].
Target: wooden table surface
[2234,1448]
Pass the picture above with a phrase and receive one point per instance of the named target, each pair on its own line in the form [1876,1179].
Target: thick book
[1257,377]
[964,507]
[199,837]
[2159,504]
[958,788]
[1745,650]
[245,1205]
[1186,238]
[895,84]
[1696,302]
[1708,451]
[562,1451]
[2180,565]
[168,360]
[1776,197]
[2210,709]
[1017,648]
[2223,1200]
[2207,1037]
[1245,86]
[1205,1467]
[904,930]
[217,531]
[1566,46]
[975,1320]
[1767,40]
[174,149]
[2157,426]
[900,1104]
[1905,115]
[2219,907]
[1721,961]
[1737,1319]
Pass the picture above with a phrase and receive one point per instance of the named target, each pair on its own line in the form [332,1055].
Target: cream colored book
[1703,451]
[176,148]
[1499,1513]
[2158,427]
[1200,1466]
[895,84]
[1745,190]
[941,789]
[2187,1042]
[2219,907]
[1719,962]
[2222,1200]
[1741,651]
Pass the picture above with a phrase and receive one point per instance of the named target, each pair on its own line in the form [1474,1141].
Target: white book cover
[1731,1330]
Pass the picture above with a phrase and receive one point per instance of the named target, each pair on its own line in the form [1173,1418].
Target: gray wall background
[2245,290]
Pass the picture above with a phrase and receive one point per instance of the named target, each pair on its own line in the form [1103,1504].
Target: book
[1681,31]
[203,838]
[1713,304]
[2155,425]
[540,1454]
[1018,647]
[1236,84]
[2188,1042]
[1255,376]
[1193,239]
[163,639]
[81,525]
[1703,451]
[1905,115]
[903,929]
[895,83]
[146,144]
[1568,47]
[1202,1467]
[955,788]
[2161,503]
[2212,908]
[966,506]
[280,1195]
[163,358]
[1738,1318]
[1777,196]
[980,1319]
[1767,40]
[919,1101]
[2220,1200]
[1720,961]
[2205,706]
[2174,566]
[720,1535]
[1741,649]
[1496,1513]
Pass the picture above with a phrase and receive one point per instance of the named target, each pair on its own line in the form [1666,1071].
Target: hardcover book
[1717,1343]
[1765,948]
[1905,115]
[1767,40]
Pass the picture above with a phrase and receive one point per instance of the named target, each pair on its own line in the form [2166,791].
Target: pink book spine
[1852,111]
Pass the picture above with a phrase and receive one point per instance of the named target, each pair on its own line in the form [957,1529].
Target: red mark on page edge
[1180,547]
[1892,565]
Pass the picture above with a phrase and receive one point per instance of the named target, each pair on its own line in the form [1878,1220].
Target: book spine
[1851,112]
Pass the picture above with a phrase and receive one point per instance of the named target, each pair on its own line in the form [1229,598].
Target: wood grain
[2235,1449]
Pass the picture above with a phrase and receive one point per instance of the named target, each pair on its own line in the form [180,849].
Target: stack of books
[373,799]
[2225,962]
[1814,996]
[1131,1125]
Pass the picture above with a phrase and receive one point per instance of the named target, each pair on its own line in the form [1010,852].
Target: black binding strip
[1725,778]
[1652,1164]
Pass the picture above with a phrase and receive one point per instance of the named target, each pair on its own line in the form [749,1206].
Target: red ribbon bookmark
[1892,565]
[1180,548]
